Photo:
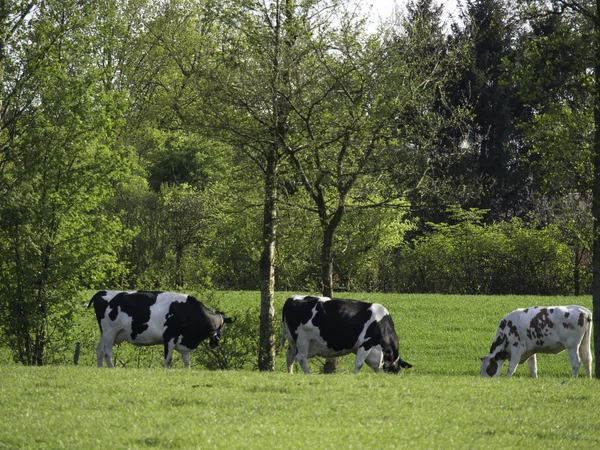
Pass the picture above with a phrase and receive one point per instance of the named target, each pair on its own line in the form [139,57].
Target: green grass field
[441,403]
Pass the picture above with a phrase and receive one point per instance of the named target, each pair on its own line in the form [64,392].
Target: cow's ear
[225,318]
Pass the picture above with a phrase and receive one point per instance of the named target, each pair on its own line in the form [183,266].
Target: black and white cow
[320,326]
[525,332]
[178,321]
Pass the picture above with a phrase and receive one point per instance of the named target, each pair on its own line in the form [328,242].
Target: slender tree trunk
[327,263]
[3,27]
[577,272]
[327,271]
[596,198]
[327,282]
[266,352]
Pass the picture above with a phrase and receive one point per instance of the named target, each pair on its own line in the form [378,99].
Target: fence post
[76,357]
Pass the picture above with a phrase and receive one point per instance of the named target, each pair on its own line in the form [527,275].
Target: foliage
[59,168]
[238,348]
[469,257]
[175,145]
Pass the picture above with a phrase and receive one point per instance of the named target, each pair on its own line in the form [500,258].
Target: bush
[511,257]
[238,348]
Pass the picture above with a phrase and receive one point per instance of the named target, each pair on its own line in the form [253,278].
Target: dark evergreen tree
[496,142]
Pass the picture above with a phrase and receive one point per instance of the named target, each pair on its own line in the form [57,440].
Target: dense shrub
[238,348]
[511,257]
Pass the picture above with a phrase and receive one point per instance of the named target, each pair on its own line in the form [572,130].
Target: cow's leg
[585,352]
[169,347]
[289,359]
[361,356]
[186,358]
[375,359]
[532,362]
[513,363]
[99,354]
[104,350]
[303,361]
[302,351]
[575,361]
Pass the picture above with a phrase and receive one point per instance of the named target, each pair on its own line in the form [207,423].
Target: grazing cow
[525,332]
[320,326]
[178,321]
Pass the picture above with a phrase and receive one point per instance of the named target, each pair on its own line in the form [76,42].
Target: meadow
[441,403]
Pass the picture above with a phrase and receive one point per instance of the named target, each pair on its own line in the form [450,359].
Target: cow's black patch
[492,368]
[340,323]
[137,306]
[501,356]
[500,342]
[298,311]
[189,323]
[513,330]
[529,333]
[100,305]
[540,322]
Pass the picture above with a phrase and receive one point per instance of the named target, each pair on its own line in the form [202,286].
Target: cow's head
[390,347]
[395,366]
[215,338]
[491,365]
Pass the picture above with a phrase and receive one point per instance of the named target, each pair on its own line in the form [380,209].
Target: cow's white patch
[379,311]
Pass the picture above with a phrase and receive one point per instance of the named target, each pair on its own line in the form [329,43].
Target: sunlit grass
[69,407]
[441,403]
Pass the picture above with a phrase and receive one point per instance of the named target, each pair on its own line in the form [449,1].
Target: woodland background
[285,145]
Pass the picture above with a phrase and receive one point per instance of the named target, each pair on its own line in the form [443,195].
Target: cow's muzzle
[214,340]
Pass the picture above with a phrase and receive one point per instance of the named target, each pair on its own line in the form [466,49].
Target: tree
[59,166]
[588,11]
[497,145]
[230,79]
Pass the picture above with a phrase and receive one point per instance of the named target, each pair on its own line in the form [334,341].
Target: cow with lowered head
[320,326]
[552,329]
[178,321]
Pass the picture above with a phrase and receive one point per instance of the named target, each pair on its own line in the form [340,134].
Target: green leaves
[59,167]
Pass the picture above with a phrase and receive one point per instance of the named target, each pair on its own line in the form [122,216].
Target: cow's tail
[91,302]
[283,333]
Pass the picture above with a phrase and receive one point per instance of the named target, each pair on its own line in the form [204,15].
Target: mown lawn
[441,403]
